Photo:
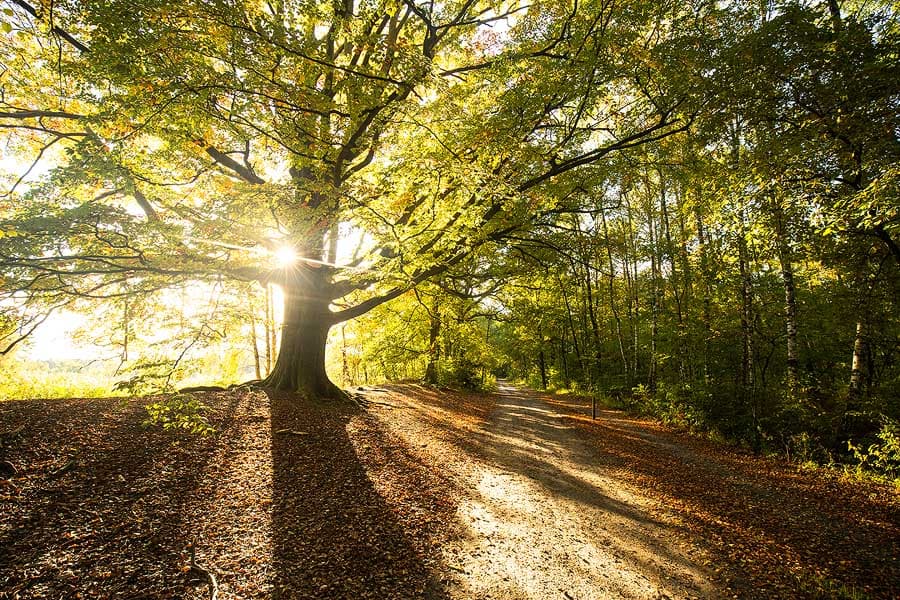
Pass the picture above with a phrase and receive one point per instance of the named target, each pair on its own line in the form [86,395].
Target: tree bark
[300,366]
[612,300]
[747,380]
[255,345]
[434,347]
[652,372]
[542,363]
[858,366]
[790,297]
[707,291]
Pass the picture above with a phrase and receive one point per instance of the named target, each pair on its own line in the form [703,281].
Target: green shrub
[181,411]
[882,456]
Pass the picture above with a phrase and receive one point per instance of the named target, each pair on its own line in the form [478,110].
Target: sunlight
[285,257]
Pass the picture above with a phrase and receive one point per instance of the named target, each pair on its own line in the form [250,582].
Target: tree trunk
[674,277]
[612,300]
[542,363]
[300,366]
[707,291]
[790,297]
[747,382]
[345,366]
[652,373]
[434,348]
[253,341]
[268,327]
[858,366]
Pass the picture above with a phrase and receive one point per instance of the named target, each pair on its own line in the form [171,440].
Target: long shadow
[527,449]
[830,530]
[101,503]
[333,534]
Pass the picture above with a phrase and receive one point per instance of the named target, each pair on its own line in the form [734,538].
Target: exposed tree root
[7,470]
[252,384]
[204,573]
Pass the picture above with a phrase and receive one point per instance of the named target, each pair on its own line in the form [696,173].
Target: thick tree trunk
[300,366]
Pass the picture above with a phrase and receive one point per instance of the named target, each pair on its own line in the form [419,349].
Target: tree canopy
[692,202]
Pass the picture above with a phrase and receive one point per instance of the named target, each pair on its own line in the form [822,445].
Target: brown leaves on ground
[774,531]
[273,516]
[350,504]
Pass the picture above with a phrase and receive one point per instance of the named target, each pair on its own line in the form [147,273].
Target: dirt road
[556,505]
[429,494]
[539,520]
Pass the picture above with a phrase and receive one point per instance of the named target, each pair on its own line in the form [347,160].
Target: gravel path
[544,524]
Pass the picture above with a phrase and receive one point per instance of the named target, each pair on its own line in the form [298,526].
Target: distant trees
[744,275]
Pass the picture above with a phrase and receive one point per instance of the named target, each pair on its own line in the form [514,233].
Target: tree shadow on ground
[273,515]
[549,454]
[784,532]
[335,535]
[100,505]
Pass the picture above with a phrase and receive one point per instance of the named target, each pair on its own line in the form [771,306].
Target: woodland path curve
[542,517]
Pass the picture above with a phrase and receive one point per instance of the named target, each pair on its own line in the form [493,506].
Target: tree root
[204,573]
[70,464]
[252,384]
[7,470]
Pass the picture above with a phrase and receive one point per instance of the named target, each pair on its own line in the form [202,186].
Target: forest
[686,211]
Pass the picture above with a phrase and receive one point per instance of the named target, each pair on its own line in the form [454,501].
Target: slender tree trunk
[707,291]
[859,364]
[747,379]
[612,301]
[654,301]
[345,366]
[634,300]
[126,322]
[255,345]
[669,250]
[268,330]
[687,289]
[860,369]
[542,364]
[578,355]
[434,349]
[790,299]
[595,327]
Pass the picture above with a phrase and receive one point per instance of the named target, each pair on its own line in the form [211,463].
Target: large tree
[201,136]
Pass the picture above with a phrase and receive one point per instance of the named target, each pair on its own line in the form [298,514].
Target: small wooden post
[593,406]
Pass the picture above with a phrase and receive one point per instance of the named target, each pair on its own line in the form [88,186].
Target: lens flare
[285,257]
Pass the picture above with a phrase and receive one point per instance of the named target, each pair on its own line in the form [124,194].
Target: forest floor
[428,494]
